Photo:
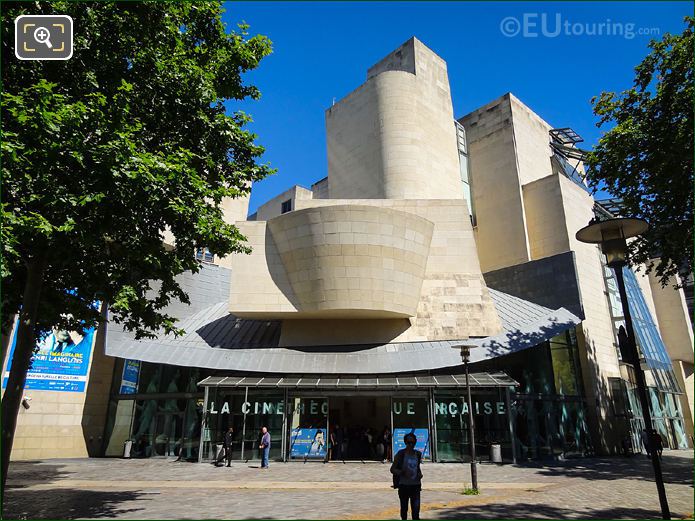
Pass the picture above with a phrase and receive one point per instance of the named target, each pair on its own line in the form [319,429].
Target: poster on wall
[60,363]
[423,440]
[308,443]
[131,375]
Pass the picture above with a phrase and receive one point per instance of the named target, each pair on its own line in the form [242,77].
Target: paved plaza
[596,488]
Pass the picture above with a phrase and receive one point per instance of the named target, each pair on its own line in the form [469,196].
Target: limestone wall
[66,424]
[235,209]
[501,229]
[526,212]
[598,339]
[545,217]
[676,331]
[350,260]
[453,301]
[319,189]
[532,140]
[394,137]
[273,208]
[674,321]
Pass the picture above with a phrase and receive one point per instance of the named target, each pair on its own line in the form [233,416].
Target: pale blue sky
[322,51]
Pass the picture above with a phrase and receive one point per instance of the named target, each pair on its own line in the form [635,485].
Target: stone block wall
[66,424]
[501,234]
[453,301]
[273,208]
[352,259]
[394,137]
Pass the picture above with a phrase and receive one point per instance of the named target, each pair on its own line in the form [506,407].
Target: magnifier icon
[42,35]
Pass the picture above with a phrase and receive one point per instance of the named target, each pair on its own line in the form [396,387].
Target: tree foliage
[646,158]
[104,153]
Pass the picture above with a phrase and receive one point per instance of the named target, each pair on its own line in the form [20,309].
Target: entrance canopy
[362,383]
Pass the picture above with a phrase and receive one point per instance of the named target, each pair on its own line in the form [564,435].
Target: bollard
[496,453]
[127,446]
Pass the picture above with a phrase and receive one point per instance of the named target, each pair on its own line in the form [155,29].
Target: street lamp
[611,235]
[465,357]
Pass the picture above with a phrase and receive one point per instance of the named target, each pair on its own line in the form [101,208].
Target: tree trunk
[23,351]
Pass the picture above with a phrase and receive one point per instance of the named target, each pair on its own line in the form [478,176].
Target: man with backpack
[407,476]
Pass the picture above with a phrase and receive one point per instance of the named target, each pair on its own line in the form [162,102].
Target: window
[465,172]
[204,255]
[286,206]
[650,346]
[461,137]
[619,401]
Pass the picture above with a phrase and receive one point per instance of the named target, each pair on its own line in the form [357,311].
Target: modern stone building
[427,233]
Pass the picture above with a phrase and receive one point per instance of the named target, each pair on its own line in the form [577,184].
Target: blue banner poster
[423,440]
[131,375]
[308,443]
[60,363]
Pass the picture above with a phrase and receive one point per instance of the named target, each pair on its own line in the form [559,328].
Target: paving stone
[591,488]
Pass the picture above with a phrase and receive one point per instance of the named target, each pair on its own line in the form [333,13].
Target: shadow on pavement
[676,470]
[69,504]
[535,511]
[37,471]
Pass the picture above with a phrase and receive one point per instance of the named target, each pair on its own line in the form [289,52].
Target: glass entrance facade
[247,412]
[160,413]
[309,435]
[412,414]
[491,420]
[359,426]
[168,415]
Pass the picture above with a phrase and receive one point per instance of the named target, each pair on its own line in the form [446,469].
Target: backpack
[398,458]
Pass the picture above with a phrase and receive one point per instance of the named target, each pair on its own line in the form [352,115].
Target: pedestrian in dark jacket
[657,443]
[226,448]
[408,476]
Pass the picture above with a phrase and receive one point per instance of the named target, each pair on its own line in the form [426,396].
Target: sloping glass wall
[667,416]
[548,409]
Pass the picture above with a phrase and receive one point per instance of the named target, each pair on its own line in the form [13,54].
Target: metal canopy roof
[218,340]
[372,382]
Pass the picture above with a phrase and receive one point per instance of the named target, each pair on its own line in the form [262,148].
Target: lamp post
[465,357]
[611,235]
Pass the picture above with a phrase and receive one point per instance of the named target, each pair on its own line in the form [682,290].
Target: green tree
[646,158]
[105,153]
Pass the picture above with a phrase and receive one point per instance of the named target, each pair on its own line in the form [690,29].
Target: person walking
[265,447]
[227,448]
[408,476]
[646,442]
[657,443]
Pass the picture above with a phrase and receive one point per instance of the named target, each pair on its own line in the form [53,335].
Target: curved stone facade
[394,137]
[352,260]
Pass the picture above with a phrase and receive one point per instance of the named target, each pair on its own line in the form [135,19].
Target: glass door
[168,433]
[411,415]
[308,428]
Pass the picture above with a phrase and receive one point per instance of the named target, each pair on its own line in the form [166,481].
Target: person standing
[339,442]
[265,447]
[386,440]
[331,444]
[227,448]
[408,476]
